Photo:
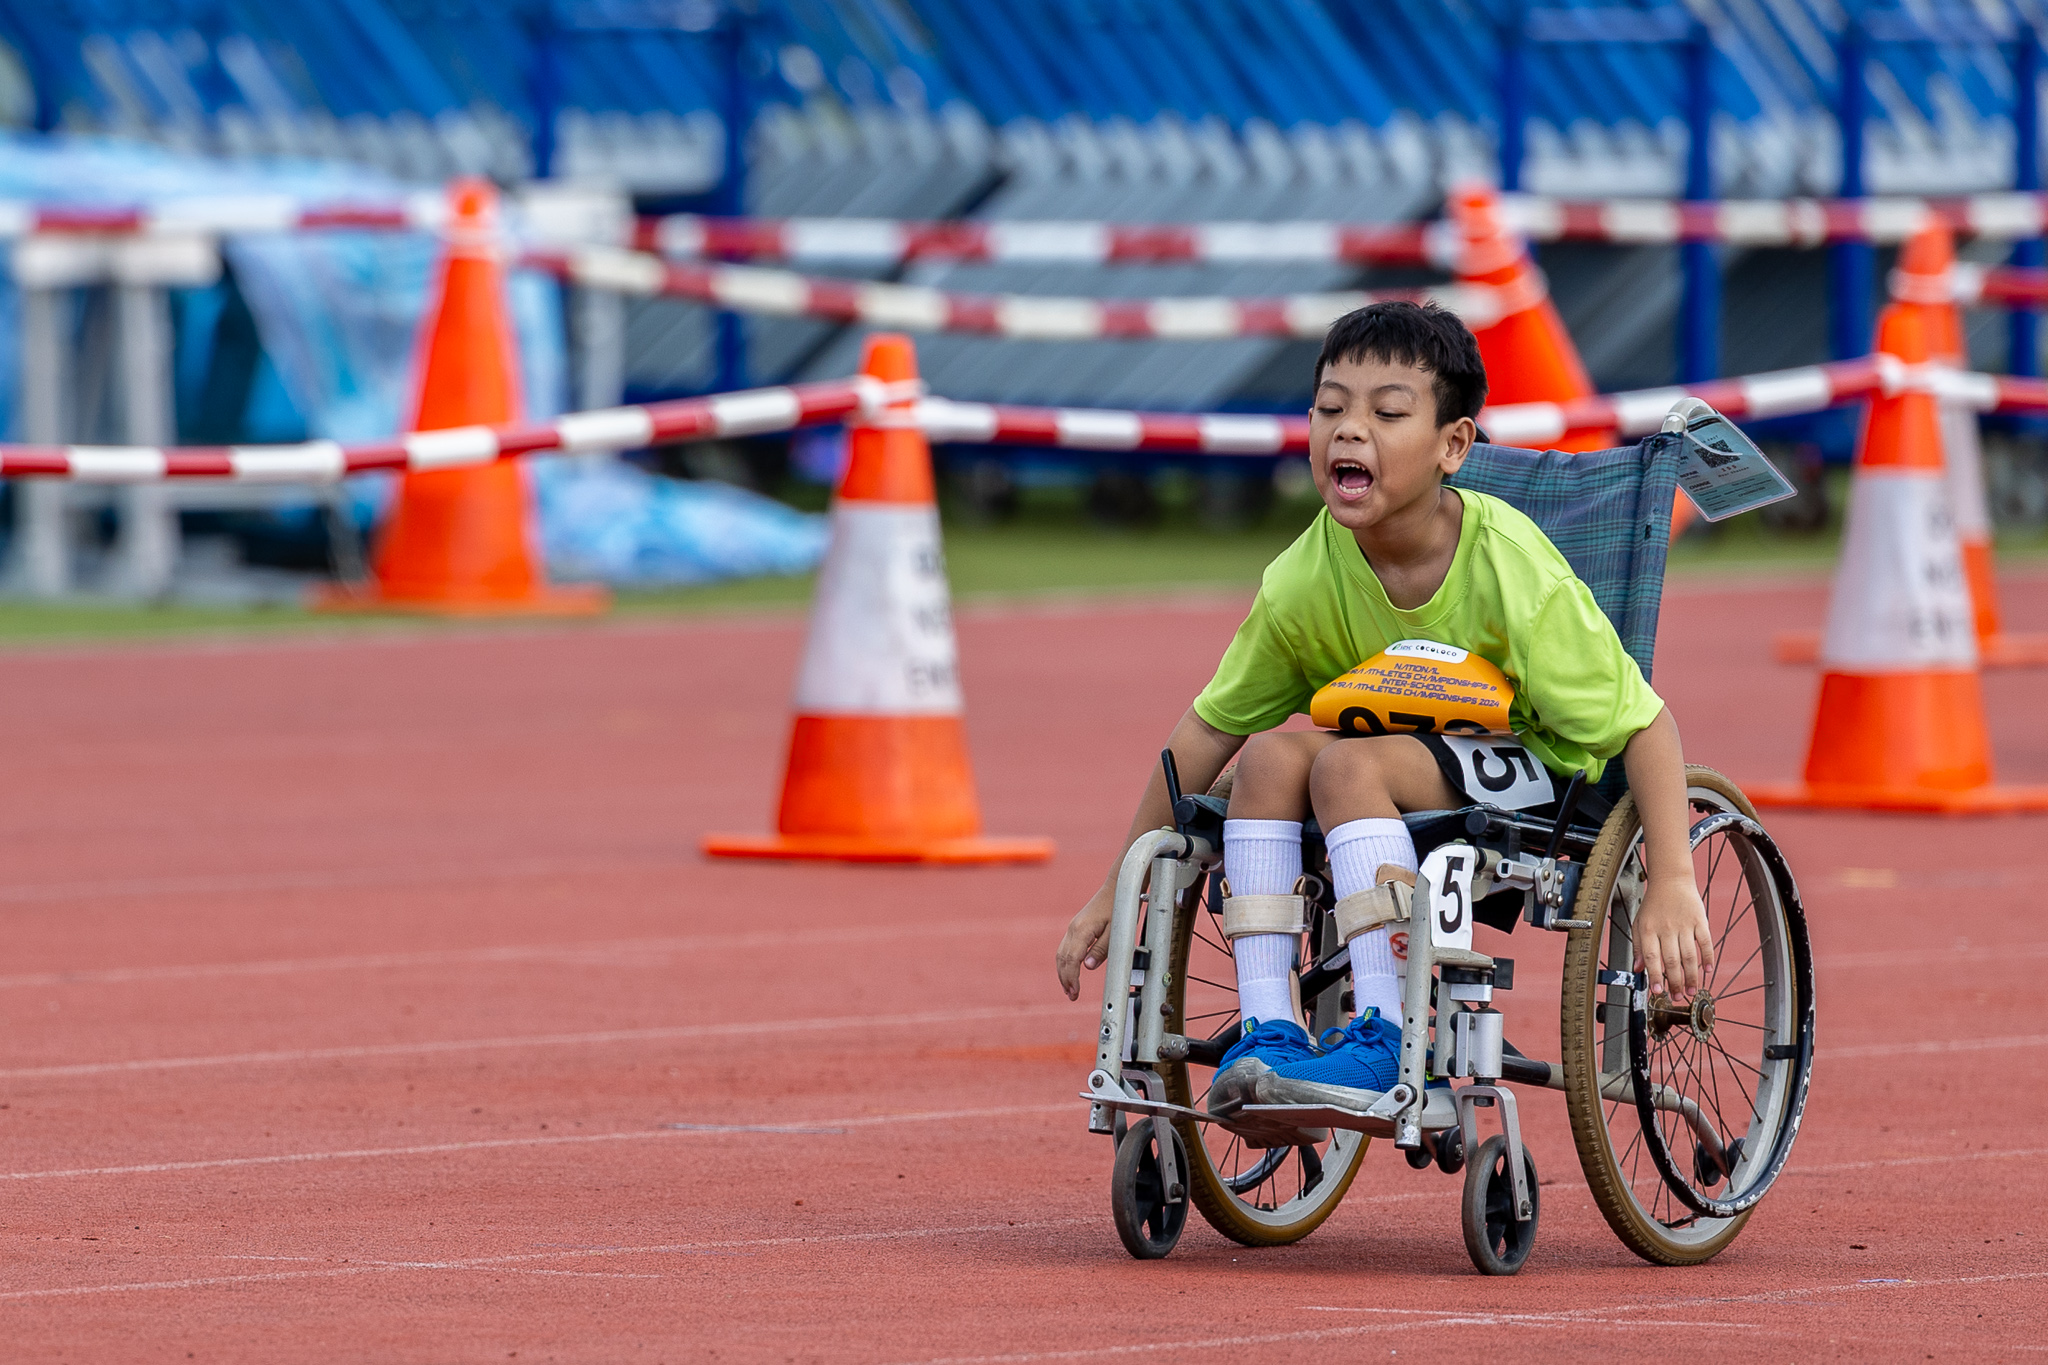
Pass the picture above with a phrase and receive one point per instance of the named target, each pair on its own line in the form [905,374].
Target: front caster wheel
[1497,1242]
[1450,1151]
[1149,1222]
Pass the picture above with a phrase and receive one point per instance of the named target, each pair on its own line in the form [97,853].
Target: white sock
[1358,848]
[1263,858]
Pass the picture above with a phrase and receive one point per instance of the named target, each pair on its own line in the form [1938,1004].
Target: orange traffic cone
[878,768]
[1925,280]
[1900,725]
[457,541]
[1529,355]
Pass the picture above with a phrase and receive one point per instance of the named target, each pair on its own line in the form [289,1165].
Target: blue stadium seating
[1056,108]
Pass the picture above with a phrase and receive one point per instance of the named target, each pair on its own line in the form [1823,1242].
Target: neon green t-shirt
[1509,597]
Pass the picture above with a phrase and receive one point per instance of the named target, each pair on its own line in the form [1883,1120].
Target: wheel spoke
[1713,866]
[1714,972]
[1737,1076]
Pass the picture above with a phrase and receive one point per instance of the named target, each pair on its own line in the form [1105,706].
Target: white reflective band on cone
[1964,458]
[882,624]
[1900,601]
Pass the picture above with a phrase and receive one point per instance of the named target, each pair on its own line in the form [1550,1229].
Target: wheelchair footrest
[1438,1112]
[1130,1104]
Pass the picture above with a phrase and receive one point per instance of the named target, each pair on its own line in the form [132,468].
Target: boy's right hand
[1085,942]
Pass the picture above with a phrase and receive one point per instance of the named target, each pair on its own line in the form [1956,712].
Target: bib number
[1501,772]
[1450,870]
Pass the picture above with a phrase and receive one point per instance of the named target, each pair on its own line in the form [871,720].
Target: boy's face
[1374,445]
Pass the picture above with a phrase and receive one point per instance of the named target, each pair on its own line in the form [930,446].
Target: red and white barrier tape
[915,308]
[1968,283]
[876,241]
[221,215]
[764,411]
[1734,222]
[1774,222]
[732,414]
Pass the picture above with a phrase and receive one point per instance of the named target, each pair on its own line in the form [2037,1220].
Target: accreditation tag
[1416,687]
[1721,469]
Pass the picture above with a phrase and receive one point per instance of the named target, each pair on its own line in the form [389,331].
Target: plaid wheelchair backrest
[1608,511]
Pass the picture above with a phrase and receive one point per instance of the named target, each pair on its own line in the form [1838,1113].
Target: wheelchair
[1683,1113]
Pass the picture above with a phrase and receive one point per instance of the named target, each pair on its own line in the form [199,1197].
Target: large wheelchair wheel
[1255,1196]
[1677,1180]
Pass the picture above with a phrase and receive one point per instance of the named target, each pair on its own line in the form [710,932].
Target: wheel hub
[1702,1016]
[1696,1015]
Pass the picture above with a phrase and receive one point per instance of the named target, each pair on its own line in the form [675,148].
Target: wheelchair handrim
[1789,1077]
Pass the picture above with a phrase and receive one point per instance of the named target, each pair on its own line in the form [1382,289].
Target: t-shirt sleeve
[1259,683]
[1578,680]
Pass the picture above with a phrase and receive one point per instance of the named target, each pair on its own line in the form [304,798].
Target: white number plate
[1500,772]
[1449,870]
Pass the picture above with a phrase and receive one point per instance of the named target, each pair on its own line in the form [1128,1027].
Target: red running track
[353,990]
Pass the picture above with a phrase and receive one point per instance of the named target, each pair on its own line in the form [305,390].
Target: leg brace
[1244,915]
[1388,903]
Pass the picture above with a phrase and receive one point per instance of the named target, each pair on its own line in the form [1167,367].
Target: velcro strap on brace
[1264,915]
[1363,911]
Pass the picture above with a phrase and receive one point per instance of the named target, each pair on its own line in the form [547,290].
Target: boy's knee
[1273,767]
[1352,763]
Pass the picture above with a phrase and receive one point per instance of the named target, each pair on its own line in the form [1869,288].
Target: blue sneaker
[1363,1055]
[1264,1046]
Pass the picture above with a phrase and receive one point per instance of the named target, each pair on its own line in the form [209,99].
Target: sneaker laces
[1359,1030]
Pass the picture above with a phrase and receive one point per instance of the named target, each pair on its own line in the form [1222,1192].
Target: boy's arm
[1673,941]
[1199,750]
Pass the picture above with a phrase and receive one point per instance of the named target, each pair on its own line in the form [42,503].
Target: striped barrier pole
[751,412]
[1020,317]
[866,241]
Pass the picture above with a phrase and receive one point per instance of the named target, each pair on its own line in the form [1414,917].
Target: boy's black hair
[1423,335]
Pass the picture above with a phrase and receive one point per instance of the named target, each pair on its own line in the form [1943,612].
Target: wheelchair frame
[1467,855]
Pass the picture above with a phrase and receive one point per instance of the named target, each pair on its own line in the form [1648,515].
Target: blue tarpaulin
[338,315]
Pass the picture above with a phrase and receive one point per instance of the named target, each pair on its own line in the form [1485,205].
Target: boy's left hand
[1673,943]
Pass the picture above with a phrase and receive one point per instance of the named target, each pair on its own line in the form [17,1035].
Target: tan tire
[1254,1197]
[1641,1203]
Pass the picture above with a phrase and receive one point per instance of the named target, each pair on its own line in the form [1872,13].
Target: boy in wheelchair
[1397,559]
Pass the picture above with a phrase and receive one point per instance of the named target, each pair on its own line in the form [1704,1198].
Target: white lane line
[673,1130]
[751,1029]
[771,1028]
[1937,1046]
[1934,956]
[1622,1315]
[1942,1159]
[643,952]
[337,880]
[514,1260]
[647,952]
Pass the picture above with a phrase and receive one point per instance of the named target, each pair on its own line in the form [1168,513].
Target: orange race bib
[1416,687]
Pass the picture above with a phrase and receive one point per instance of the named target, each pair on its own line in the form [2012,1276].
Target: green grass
[1050,548]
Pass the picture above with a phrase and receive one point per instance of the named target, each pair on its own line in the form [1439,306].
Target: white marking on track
[750,1029]
[335,880]
[1623,1315]
[642,952]
[1938,1159]
[515,1259]
[1933,955]
[675,1130]
[1937,1046]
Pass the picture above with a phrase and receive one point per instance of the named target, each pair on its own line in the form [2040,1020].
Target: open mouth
[1351,478]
